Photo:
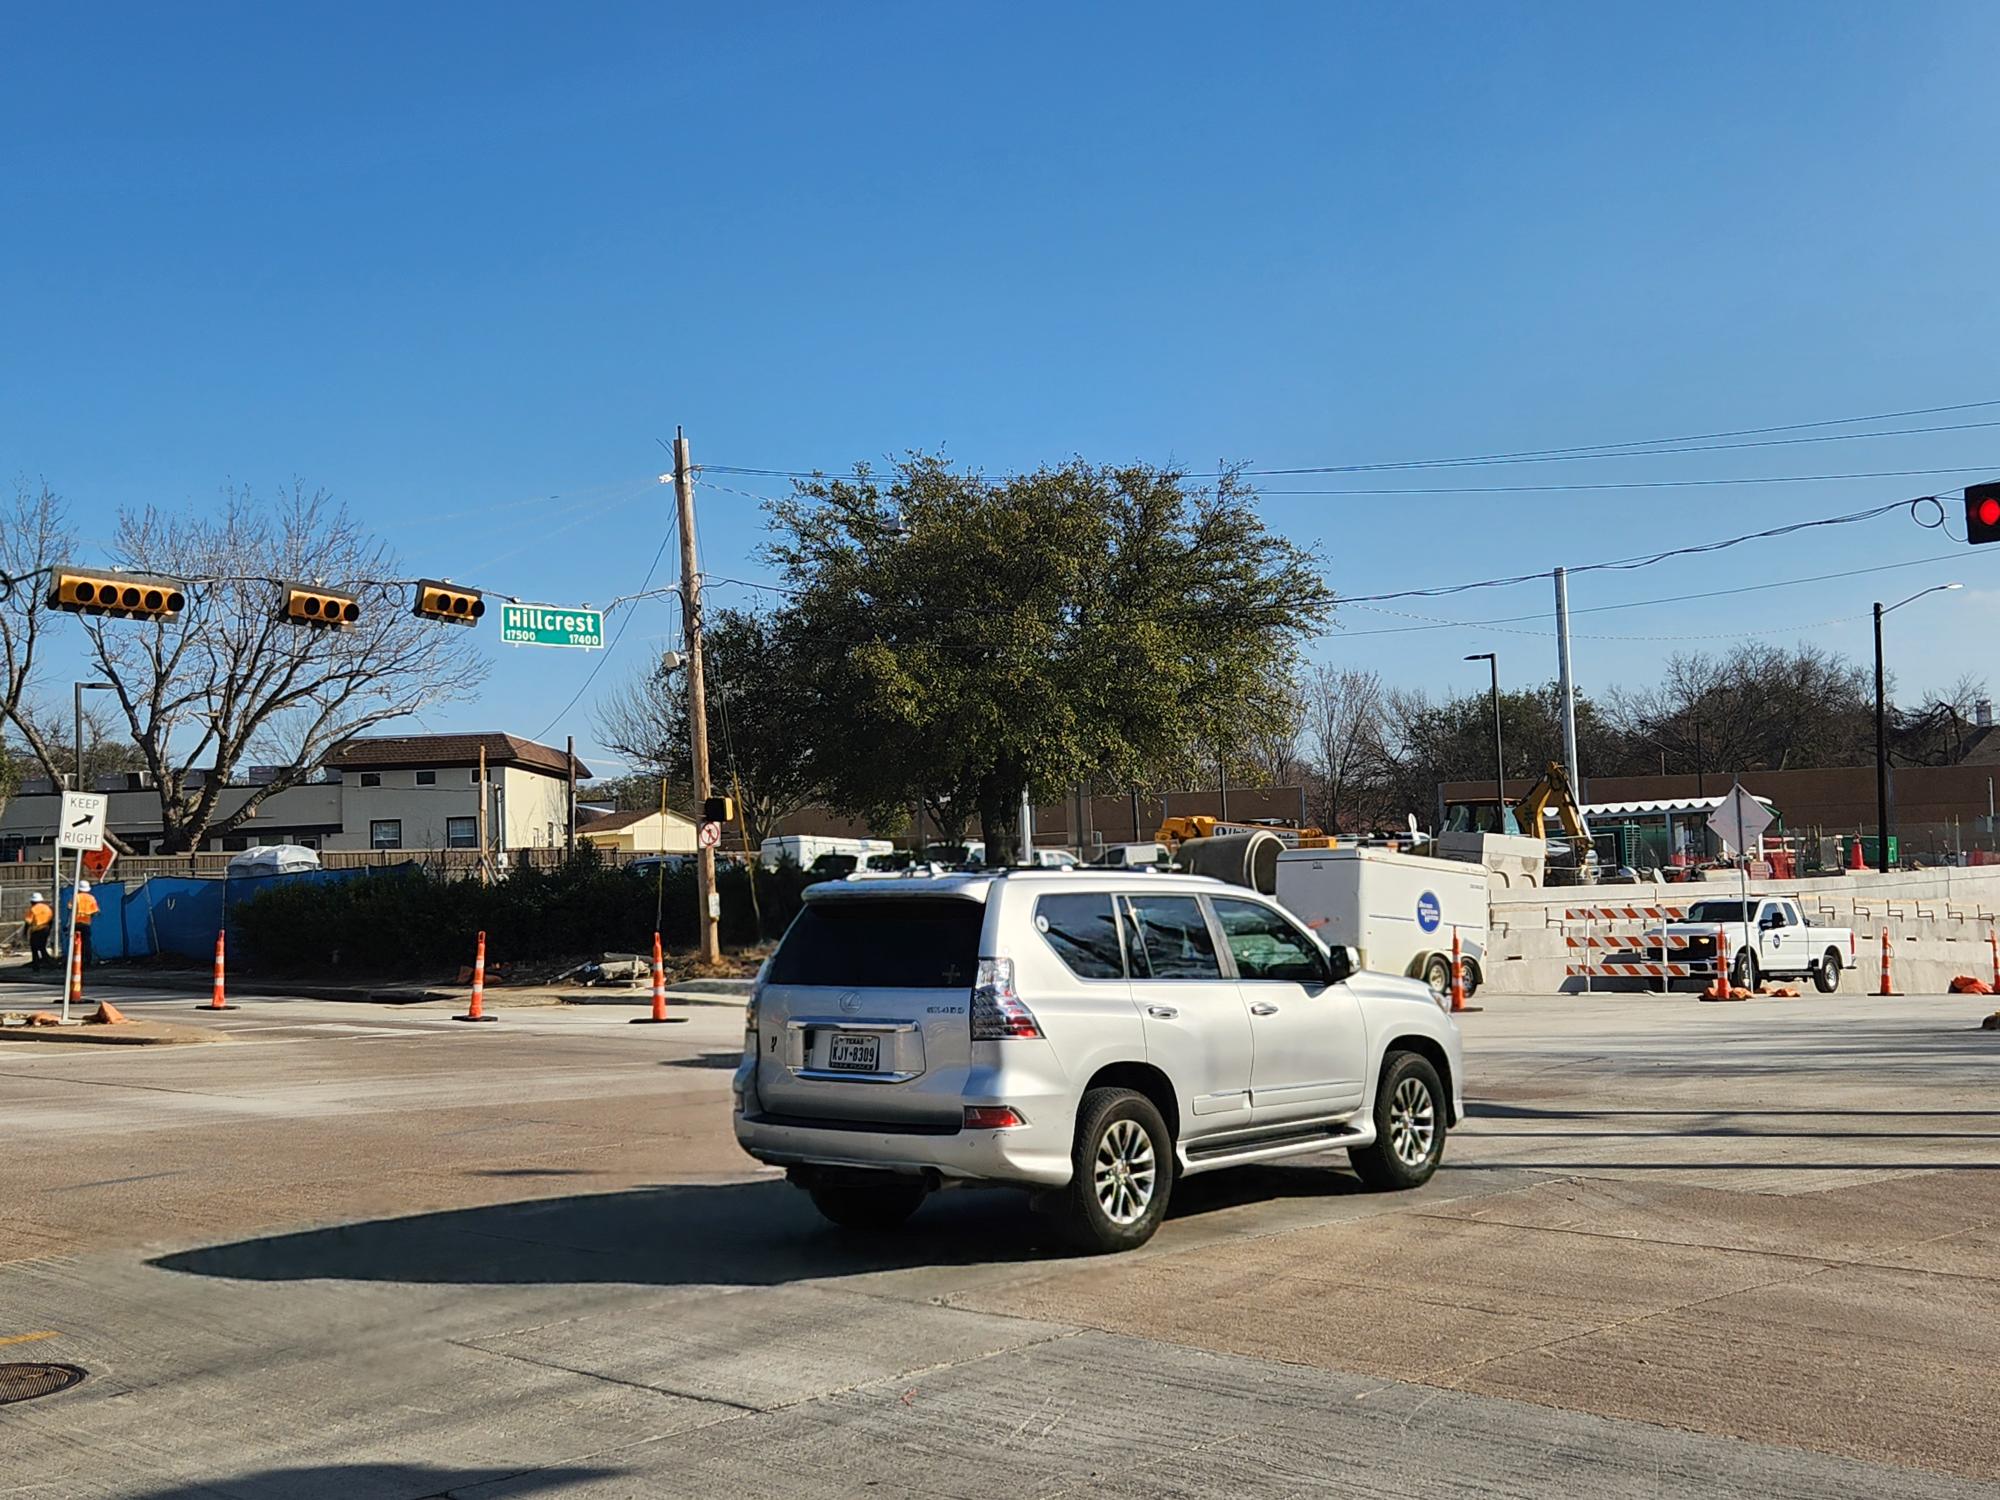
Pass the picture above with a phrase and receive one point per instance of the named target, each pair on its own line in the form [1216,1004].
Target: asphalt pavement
[366,1252]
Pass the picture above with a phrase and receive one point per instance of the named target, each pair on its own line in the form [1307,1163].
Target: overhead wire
[1627,448]
[611,647]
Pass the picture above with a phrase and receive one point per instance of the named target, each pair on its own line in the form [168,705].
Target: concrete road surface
[1743,1250]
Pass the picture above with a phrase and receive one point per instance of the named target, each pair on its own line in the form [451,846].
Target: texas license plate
[853,1052]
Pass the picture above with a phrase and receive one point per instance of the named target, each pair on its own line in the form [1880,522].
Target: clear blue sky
[444,259]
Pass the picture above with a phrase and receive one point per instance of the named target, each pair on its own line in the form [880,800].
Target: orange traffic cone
[1718,988]
[217,1001]
[1888,985]
[477,1010]
[1458,1005]
[75,967]
[1993,938]
[107,1014]
[659,1016]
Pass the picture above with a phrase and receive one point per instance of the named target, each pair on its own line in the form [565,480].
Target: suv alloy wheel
[1124,1172]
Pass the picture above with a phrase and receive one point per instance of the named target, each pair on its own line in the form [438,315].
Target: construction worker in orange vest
[40,925]
[86,908]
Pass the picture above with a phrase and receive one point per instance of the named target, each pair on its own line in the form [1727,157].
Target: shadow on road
[373,1482]
[734,1234]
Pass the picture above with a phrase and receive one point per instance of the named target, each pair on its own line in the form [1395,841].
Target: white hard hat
[38,896]
[83,885]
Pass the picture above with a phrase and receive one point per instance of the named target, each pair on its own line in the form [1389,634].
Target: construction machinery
[1176,831]
[1554,793]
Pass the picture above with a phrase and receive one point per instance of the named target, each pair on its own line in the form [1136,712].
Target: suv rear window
[909,944]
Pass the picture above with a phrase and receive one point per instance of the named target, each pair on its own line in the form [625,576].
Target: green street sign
[551,625]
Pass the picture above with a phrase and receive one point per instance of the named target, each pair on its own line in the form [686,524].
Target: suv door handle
[1164,1012]
[1263,1008]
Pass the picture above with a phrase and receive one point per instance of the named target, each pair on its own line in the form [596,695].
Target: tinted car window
[1173,939]
[1084,932]
[1716,911]
[904,944]
[1266,946]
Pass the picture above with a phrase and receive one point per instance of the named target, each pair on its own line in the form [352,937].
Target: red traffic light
[1982,513]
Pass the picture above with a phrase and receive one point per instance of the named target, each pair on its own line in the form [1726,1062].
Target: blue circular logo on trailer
[1429,913]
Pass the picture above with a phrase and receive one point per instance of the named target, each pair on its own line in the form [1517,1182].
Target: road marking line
[29,1338]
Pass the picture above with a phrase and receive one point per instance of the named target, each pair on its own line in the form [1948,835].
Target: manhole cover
[24,1382]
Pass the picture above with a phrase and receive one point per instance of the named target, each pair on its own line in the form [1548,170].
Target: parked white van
[802,849]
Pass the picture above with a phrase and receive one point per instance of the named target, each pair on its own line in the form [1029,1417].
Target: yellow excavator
[1176,831]
[1553,792]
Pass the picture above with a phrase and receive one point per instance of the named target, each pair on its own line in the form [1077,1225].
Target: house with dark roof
[386,792]
[421,791]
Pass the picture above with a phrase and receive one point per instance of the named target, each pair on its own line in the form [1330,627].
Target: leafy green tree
[636,792]
[1427,741]
[759,747]
[966,638]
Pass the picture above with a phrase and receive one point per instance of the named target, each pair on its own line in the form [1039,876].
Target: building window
[427,778]
[371,778]
[235,843]
[385,833]
[461,833]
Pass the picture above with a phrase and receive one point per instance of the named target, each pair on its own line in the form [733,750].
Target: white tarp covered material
[274,859]
[1740,821]
[1679,807]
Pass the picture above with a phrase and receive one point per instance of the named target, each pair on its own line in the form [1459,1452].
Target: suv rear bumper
[1031,1155]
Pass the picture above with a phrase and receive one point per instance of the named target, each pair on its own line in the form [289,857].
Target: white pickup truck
[1772,939]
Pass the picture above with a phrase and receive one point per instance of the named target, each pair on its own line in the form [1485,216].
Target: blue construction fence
[179,916]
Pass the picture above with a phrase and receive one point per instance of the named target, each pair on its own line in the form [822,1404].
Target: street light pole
[1882,726]
[1881,754]
[1499,756]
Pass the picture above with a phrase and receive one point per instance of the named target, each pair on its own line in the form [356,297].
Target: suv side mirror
[1342,963]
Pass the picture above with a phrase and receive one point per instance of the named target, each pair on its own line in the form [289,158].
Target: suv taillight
[997,1012]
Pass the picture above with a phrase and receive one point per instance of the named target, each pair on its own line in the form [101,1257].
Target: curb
[684,997]
[128,1034]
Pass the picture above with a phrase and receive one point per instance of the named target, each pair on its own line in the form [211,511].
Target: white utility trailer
[1398,910]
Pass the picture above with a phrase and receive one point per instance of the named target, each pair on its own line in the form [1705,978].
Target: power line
[1637,484]
[1511,629]
[1573,455]
[1628,564]
[1748,588]
[1630,448]
[623,626]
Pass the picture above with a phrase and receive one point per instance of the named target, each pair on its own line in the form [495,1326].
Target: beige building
[384,793]
[640,833]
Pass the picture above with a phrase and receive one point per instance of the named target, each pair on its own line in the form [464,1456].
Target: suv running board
[1257,1143]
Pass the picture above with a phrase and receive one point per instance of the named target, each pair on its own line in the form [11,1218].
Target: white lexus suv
[1089,1035]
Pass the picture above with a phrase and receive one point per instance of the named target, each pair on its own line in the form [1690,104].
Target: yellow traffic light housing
[123,596]
[443,601]
[718,810]
[308,604]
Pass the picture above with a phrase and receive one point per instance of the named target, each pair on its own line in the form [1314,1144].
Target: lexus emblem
[850,1003]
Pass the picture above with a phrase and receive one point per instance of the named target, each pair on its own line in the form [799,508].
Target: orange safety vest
[86,908]
[40,917]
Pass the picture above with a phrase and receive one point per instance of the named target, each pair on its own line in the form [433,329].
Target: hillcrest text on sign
[551,625]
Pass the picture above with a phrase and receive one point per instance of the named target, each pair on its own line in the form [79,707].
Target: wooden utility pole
[708,925]
[569,772]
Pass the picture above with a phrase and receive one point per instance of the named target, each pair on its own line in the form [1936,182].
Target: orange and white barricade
[1613,945]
